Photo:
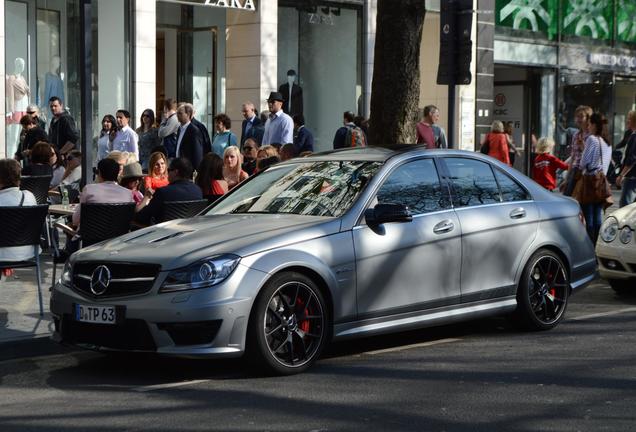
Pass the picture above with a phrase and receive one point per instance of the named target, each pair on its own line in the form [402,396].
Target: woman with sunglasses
[148,137]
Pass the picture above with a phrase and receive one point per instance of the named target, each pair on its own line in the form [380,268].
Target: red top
[425,135]
[544,170]
[155,182]
[498,146]
[216,188]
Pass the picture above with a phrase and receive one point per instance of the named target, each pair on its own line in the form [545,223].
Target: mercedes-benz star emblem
[100,280]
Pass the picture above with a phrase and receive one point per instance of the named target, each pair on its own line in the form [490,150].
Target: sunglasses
[248,148]
[31,112]
[69,158]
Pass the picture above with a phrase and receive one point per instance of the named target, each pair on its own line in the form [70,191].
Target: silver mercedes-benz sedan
[338,245]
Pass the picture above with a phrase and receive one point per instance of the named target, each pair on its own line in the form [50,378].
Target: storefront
[215,54]
[553,56]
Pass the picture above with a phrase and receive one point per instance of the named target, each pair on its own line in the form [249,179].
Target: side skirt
[421,319]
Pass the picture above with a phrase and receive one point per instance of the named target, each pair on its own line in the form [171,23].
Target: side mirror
[385,213]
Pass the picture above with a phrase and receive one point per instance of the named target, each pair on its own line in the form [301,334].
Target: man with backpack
[349,135]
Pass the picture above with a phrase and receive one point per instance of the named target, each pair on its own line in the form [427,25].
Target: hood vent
[169,236]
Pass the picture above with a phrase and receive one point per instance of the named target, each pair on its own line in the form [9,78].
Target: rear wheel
[543,292]
[288,326]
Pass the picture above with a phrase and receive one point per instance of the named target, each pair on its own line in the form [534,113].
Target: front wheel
[543,292]
[289,325]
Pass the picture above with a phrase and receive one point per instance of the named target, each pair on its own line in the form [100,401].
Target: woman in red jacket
[497,143]
[546,165]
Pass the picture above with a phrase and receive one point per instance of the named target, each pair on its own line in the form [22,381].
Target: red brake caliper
[304,324]
[552,290]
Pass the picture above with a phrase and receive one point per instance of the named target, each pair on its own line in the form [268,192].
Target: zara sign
[247,5]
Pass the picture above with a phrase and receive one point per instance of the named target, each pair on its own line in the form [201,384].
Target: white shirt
[182,130]
[127,140]
[11,197]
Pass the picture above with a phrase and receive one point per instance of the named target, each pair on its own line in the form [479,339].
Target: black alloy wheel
[289,323]
[543,292]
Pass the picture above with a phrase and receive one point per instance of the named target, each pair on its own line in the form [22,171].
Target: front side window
[322,188]
[416,185]
[473,182]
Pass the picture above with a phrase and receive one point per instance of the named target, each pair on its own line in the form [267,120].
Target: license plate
[96,314]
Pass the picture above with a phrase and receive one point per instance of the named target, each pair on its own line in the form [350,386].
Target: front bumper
[209,322]
[616,261]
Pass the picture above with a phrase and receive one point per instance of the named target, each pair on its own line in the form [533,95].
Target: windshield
[325,188]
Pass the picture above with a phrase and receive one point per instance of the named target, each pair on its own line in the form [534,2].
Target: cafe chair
[38,186]
[212,198]
[98,222]
[22,226]
[181,209]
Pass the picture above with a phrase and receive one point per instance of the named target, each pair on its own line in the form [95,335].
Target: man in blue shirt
[279,128]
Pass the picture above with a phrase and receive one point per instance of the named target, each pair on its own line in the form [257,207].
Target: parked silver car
[338,245]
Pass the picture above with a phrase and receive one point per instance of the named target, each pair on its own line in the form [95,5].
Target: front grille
[192,333]
[126,279]
[132,334]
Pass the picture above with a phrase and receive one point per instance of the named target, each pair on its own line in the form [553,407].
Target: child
[546,165]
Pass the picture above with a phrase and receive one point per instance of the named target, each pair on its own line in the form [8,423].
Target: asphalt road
[482,375]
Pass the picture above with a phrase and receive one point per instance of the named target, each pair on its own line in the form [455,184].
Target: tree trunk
[395,92]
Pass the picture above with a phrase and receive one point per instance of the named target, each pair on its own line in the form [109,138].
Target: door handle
[518,213]
[444,226]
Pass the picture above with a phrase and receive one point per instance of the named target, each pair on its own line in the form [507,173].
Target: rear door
[404,267]
[499,221]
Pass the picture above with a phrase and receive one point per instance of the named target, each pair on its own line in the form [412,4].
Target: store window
[320,55]
[588,21]
[536,19]
[581,88]
[43,57]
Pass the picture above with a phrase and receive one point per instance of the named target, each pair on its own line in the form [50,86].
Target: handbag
[594,188]
[485,147]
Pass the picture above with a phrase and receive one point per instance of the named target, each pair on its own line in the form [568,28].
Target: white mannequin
[53,84]
[17,99]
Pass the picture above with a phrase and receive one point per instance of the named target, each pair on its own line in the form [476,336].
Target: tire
[289,325]
[543,292]
[622,286]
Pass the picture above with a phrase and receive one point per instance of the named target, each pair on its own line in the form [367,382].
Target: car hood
[177,243]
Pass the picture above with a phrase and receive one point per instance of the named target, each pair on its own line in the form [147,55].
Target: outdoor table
[62,210]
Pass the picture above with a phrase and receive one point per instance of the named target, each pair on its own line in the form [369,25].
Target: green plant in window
[533,15]
[591,18]
[626,19]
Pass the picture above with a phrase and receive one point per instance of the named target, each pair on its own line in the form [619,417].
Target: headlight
[626,235]
[609,229]
[202,274]
[66,278]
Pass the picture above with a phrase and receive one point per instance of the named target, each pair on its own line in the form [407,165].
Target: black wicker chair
[212,198]
[98,222]
[38,186]
[22,226]
[182,209]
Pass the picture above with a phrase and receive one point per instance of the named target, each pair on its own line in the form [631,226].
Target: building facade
[539,60]
[215,54]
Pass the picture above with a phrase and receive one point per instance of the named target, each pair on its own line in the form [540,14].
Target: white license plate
[96,314]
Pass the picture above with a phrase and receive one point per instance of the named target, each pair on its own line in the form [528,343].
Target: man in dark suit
[292,101]
[250,127]
[303,139]
[190,142]
[181,188]
[207,143]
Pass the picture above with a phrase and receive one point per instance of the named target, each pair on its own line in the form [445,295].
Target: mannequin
[292,95]
[53,84]
[17,99]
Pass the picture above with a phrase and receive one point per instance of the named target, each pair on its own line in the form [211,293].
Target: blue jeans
[628,194]
[593,214]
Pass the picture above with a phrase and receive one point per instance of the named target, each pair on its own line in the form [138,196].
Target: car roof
[380,154]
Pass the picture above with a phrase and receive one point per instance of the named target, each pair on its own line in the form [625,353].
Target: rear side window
[510,189]
[416,185]
[473,182]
